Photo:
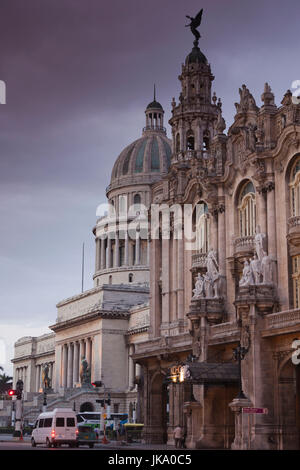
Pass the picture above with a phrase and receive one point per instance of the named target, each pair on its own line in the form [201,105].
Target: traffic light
[97,383]
[12,392]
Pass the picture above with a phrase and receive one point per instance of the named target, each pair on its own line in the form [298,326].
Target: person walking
[178,436]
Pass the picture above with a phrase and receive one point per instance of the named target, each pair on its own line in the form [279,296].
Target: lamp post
[98,384]
[239,354]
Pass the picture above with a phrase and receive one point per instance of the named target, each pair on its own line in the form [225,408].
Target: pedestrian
[178,436]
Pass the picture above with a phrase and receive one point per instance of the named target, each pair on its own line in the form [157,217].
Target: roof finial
[154,93]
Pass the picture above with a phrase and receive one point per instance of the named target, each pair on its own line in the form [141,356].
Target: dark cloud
[79,74]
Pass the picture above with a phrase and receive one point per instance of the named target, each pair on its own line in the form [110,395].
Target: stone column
[37,378]
[70,366]
[117,251]
[126,256]
[175,273]
[148,253]
[130,368]
[108,253]
[261,211]
[165,279]
[242,438]
[137,248]
[65,365]
[271,219]
[88,351]
[222,240]
[76,363]
[213,232]
[97,261]
[102,253]
[180,278]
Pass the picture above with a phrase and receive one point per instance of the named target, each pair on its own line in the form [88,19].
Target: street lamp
[98,384]
[239,354]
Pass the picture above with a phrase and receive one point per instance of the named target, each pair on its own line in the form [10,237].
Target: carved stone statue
[260,270]
[199,287]
[259,243]
[195,23]
[247,277]
[45,377]
[256,269]
[85,373]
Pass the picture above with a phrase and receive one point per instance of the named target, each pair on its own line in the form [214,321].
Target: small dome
[195,57]
[143,160]
[154,105]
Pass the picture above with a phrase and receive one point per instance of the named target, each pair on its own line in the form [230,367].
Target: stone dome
[195,57]
[146,159]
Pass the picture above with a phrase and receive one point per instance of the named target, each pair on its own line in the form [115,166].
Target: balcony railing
[244,243]
[294,221]
[199,260]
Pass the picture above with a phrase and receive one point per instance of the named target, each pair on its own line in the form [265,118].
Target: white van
[55,427]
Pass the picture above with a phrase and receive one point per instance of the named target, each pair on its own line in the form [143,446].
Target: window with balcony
[295,189]
[247,210]
[296,280]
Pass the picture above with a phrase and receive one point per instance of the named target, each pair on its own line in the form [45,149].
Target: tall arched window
[202,228]
[190,141]
[295,188]
[177,143]
[137,199]
[247,210]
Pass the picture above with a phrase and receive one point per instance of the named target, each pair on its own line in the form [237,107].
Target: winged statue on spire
[194,24]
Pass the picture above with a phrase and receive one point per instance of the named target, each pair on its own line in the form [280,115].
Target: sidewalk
[113,445]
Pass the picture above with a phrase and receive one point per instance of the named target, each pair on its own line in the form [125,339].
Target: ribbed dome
[145,157]
[195,57]
[154,105]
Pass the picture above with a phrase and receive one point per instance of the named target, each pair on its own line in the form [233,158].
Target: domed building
[103,324]
[122,259]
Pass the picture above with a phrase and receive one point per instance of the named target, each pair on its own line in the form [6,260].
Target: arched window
[247,210]
[206,139]
[177,143]
[202,228]
[137,199]
[110,279]
[296,280]
[190,141]
[130,277]
[295,189]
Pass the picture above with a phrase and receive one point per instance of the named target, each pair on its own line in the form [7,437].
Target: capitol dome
[145,160]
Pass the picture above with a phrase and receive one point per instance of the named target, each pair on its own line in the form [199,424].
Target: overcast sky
[79,75]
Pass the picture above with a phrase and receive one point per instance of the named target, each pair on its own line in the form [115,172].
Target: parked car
[54,428]
[86,436]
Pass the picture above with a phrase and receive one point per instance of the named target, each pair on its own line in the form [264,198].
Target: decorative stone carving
[208,285]
[247,102]
[260,270]
[247,277]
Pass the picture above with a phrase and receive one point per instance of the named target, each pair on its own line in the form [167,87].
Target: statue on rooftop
[194,24]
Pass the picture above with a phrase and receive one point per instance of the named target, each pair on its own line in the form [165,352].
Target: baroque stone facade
[103,325]
[234,282]
[222,263]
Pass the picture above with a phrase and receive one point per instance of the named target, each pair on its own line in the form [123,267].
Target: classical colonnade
[112,251]
[72,354]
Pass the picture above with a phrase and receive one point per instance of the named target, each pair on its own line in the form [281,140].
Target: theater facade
[197,318]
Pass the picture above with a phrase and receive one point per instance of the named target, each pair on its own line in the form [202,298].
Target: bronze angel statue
[195,23]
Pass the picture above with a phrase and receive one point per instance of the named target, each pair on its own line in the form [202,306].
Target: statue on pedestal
[45,377]
[85,373]
[260,270]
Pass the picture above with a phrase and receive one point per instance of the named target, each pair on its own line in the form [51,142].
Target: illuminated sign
[179,373]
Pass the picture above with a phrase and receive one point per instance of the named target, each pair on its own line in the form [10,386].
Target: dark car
[86,436]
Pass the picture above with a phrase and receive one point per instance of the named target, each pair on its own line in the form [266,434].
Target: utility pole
[19,411]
